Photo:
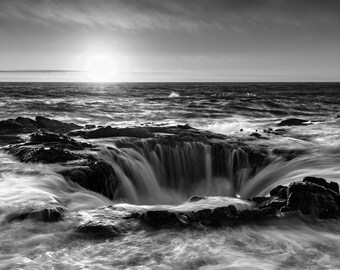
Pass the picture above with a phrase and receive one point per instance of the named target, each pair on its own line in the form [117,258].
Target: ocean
[165,174]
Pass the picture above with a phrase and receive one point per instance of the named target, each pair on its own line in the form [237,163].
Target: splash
[174,95]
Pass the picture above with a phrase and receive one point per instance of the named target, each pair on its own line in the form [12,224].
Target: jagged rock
[55,125]
[322,182]
[96,176]
[98,229]
[30,124]
[160,218]
[52,214]
[279,191]
[42,154]
[103,132]
[313,196]
[22,125]
[273,202]
[58,140]
[9,127]
[10,139]
[292,122]
[251,215]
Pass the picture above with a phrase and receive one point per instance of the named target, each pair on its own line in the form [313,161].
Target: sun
[102,68]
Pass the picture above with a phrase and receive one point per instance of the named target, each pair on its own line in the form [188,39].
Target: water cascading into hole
[150,172]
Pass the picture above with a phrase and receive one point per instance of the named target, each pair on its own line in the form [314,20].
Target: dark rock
[90,126]
[96,176]
[334,186]
[9,127]
[221,215]
[250,215]
[98,229]
[196,198]
[289,154]
[313,198]
[30,124]
[259,199]
[42,154]
[137,132]
[322,182]
[273,202]
[53,214]
[55,125]
[279,191]
[159,218]
[257,135]
[10,139]
[57,140]
[292,122]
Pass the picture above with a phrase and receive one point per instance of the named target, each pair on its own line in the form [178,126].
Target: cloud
[187,15]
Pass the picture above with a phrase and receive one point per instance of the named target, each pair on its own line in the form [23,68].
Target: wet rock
[314,198]
[90,126]
[273,202]
[256,135]
[96,176]
[22,125]
[53,214]
[322,182]
[10,139]
[279,191]
[292,122]
[259,199]
[104,132]
[289,154]
[42,154]
[160,218]
[251,215]
[30,124]
[10,126]
[98,229]
[196,198]
[57,140]
[55,125]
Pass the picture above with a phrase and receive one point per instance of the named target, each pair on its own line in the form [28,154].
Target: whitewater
[239,119]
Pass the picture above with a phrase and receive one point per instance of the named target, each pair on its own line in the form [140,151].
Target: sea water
[233,109]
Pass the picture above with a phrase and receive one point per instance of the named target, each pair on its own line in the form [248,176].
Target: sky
[170,40]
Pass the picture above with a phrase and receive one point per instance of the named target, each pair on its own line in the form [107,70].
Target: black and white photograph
[169,134]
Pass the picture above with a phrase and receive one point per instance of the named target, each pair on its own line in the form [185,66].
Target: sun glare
[102,68]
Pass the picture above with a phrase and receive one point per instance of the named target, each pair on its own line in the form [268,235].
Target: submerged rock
[293,122]
[49,214]
[99,229]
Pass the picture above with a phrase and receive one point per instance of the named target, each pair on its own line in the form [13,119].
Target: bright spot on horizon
[102,68]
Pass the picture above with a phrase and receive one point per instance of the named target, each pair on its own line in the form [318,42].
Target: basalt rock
[312,197]
[108,131]
[96,176]
[42,154]
[22,125]
[55,125]
[98,229]
[48,214]
[58,140]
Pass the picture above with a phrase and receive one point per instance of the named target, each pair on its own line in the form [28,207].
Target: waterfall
[167,171]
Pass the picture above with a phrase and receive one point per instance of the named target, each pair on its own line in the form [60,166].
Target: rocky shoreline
[72,146]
